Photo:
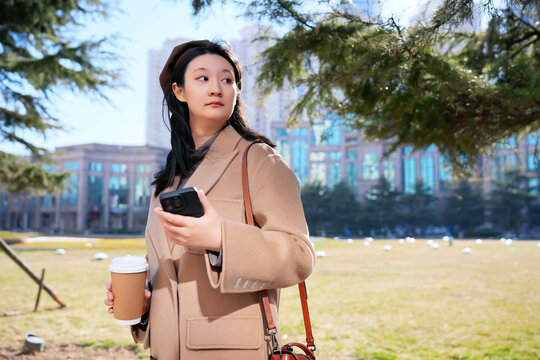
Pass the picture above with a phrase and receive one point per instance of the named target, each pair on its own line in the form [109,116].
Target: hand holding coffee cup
[109,301]
[128,275]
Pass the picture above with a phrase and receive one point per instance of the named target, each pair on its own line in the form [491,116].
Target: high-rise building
[157,132]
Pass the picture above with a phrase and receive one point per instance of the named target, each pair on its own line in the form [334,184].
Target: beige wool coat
[199,313]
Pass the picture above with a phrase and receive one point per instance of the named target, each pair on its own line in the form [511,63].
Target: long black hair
[182,156]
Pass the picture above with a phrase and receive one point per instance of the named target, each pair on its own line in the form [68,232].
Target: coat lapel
[216,161]
[209,171]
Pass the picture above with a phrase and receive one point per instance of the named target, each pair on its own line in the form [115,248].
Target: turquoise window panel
[409,176]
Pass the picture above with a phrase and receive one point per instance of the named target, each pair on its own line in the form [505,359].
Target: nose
[215,88]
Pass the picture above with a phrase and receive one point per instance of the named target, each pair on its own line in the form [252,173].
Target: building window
[282,132]
[533,162]
[143,168]
[95,167]
[47,201]
[430,149]
[300,160]
[409,176]
[142,191]
[69,195]
[73,166]
[533,139]
[95,190]
[300,132]
[389,171]
[500,165]
[118,191]
[445,173]
[283,147]
[427,172]
[334,174]
[533,186]
[119,168]
[318,173]
[325,134]
[370,167]
[317,156]
[508,143]
[334,155]
[407,150]
[352,155]
[352,176]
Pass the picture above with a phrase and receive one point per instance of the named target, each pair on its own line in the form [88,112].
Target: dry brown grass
[412,302]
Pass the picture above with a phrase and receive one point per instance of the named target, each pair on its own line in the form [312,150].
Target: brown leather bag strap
[271,327]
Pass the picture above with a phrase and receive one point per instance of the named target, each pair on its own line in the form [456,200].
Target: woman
[206,273]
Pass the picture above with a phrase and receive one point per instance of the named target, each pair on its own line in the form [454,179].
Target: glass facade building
[108,190]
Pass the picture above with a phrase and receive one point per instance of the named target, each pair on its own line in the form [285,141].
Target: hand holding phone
[182,202]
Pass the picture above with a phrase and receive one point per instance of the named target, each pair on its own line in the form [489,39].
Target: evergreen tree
[39,57]
[417,209]
[463,209]
[315,201]
[381,206]
[429,83]
[510,202]
[343,209]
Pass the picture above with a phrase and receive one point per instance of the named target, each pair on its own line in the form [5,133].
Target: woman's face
[209,90]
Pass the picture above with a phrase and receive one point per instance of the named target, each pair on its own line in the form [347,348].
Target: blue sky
[142,25]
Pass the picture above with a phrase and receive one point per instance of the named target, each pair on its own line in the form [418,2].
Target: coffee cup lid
[128,264]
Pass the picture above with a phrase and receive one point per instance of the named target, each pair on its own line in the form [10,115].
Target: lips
[214,103]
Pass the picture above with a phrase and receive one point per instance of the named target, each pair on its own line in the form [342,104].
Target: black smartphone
[182,202]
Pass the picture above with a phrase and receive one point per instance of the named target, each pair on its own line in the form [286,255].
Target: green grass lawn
[412,302]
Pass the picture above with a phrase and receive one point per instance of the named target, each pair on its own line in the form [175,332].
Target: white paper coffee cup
[128,275]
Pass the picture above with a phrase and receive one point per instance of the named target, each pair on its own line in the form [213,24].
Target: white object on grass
[61,251]
[478,241]
[467,250]
[320,253]
[100,256]
[387,247]
[435,246]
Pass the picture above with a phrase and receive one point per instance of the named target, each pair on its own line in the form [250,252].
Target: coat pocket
[230,332]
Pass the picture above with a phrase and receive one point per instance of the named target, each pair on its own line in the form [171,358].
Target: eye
[202,78]
[228,80]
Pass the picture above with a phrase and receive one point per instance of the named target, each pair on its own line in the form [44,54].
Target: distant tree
[343,208]
[316,208]
[429,83]
[39,57]
[381,206]
[463,208]
[510,202]
[417,210]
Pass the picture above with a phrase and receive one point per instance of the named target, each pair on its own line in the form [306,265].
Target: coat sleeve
[277,253]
